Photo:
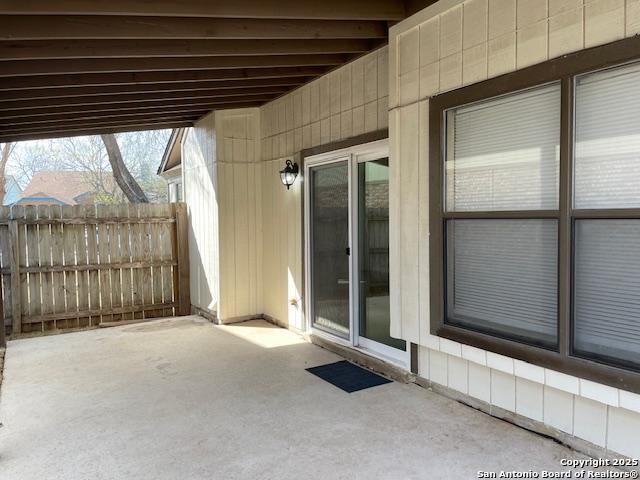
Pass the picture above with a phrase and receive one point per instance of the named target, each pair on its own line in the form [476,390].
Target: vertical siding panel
[395,226]
[241,244]
[423,235]
[200,151]
[259,236]
[267,251]
[410,241]
[252,239]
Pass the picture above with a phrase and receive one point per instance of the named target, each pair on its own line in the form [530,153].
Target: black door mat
[347,376]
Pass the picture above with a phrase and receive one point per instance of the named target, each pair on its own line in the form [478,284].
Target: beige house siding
[201,197]
[349,101]
[448,45]
[240,218]
[223,192]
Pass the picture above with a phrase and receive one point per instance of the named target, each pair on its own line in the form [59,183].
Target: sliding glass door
[347,230]
[329,260]
[373,254]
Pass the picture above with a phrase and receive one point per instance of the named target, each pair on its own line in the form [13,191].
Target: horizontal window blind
[503,154]
[502,277]
[607,289]
[607,136]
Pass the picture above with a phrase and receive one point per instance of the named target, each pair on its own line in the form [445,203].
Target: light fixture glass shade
[289,173]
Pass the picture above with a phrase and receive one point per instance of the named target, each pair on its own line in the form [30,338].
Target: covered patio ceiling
[77,67]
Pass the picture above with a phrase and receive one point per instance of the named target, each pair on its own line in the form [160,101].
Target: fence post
[3,339]
[182,247]
[16,301]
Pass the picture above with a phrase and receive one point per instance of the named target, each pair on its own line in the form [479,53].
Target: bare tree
[121,173]
[5,153]
[88,154]
[140,153]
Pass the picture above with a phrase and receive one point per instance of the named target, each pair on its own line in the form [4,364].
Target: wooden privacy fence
[87,265]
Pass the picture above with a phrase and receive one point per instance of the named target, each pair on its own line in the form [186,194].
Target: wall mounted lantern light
[289,173]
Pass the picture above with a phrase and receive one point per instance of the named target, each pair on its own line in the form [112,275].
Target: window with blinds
[501,273]
[606,301]
[534,214]
[504,153]
[607,139]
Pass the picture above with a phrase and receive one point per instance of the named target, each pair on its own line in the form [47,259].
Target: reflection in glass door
[373,253]
[329,230]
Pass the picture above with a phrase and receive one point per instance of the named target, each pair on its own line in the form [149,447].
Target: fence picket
[125,256]
[69,259]
[57,259]
[92,258]
[115,256]
[82,256]
[32,303]
[46,278]
[5,264]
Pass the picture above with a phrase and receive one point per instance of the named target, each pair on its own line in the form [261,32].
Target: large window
[503,155]
[606,306]
[535,214]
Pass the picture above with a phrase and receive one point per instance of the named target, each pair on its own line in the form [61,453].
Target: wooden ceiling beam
[201,104]
[93,131]
[126,99]
[126,90]
[292,9]
[58,49]
[44,27]
[112,65]
[100,121]
[144,78]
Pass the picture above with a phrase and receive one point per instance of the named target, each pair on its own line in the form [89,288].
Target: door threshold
[363,357]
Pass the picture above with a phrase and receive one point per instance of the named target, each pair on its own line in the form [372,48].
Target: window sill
[578,367]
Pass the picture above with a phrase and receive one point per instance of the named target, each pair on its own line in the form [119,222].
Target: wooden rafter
[41,27]
[109,65]
[57,49]
[132,107]
[157,125]
[117,91]
[139,98]
[296,9]
[122,79]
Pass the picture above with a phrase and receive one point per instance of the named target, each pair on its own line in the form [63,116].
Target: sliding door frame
[355,155]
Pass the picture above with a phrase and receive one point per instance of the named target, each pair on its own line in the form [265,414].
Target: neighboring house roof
[172,156]
[63,187]
[12,190]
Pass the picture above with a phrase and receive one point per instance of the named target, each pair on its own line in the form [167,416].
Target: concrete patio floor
[184,399]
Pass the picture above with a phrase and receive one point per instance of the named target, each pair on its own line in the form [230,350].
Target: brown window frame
[563,70]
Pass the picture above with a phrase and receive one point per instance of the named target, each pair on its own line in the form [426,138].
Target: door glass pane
[502,278]
[607,290]
[504,154]
[329,224]
[607,150]
[373,252]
